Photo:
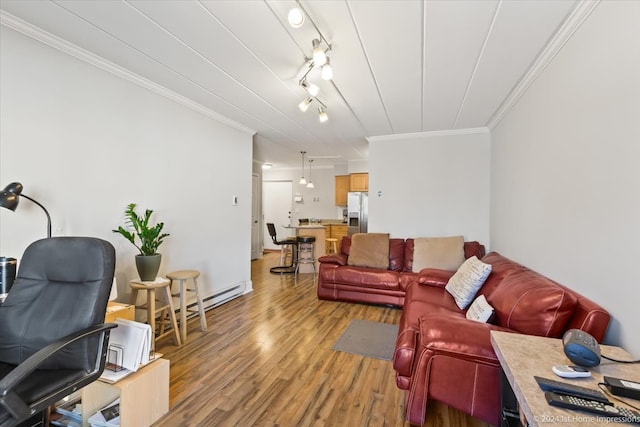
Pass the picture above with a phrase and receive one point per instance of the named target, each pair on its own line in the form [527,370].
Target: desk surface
[523,356]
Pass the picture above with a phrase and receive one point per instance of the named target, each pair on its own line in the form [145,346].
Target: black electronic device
[621,387]
[570,389]
[581,348]
[612,412]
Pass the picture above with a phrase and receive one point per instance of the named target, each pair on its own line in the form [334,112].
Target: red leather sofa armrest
[434,277]
[338,259]
[404,352]
[457,336]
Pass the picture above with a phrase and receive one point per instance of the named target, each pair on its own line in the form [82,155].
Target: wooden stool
[164,285]
[182,276]
[332,245]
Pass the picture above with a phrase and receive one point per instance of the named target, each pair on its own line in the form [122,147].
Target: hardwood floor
[266,360]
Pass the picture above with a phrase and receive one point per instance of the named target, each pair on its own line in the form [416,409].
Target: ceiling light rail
[296,18]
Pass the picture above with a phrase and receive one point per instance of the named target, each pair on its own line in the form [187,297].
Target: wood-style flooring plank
[266,360]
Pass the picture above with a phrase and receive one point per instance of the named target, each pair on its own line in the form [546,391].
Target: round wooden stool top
[160,282]
[183,274]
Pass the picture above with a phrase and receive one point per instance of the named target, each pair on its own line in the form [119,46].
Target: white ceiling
[399,66]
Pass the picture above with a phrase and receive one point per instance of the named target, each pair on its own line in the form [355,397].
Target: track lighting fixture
[304,105]
[322,115]
[320,46]
[319,57]
[296,17]
[327,71]
[303,181]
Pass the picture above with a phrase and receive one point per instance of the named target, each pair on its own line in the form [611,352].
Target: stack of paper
[108,416]
[129,348]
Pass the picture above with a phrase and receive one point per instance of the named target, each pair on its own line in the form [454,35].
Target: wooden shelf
[144,395]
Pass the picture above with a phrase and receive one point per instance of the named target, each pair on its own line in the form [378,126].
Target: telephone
[581,348]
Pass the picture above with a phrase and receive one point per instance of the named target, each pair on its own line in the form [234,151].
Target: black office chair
[282,268]
[53,340]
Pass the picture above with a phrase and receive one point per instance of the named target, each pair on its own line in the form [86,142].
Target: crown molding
[571,24]
[414,135]
[62,45]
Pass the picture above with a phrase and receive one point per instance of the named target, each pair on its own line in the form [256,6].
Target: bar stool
[332,245]
[287,245]
[167,313]
[182,276]
[306,253]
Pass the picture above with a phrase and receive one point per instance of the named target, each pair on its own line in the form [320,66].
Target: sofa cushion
[480,310]
[369,250]
[367,277]
[466,282]
[528,302]
[446,253]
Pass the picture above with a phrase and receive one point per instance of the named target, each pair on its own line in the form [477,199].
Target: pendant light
[310,183]
[302,180]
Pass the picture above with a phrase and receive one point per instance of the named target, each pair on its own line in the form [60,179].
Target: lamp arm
[45,211]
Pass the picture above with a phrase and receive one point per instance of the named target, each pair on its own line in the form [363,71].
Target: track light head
[327,70]
[322,115]
[304,105]
[310,87]
[319,57]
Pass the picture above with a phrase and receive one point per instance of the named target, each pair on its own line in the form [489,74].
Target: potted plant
[150,237]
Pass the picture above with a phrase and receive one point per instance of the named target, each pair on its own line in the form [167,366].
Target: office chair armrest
[32,363]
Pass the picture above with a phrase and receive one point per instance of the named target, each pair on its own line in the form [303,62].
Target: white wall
[564,185]
[86,143]
[319,202]
[430,184]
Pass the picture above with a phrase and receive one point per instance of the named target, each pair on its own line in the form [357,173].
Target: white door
[277,205]
[256,235]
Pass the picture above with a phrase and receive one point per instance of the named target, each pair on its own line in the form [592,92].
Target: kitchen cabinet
[342,188]
[359,182]
[338,231]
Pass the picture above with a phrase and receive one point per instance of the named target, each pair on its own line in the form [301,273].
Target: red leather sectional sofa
[338,281]
[439,353]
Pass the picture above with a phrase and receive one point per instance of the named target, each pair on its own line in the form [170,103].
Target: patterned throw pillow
[480,310]
[466,282]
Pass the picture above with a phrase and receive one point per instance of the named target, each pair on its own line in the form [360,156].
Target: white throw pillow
[480,310]
[466,282]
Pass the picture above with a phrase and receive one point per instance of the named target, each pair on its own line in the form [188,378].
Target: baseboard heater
[210,302]
[221,297]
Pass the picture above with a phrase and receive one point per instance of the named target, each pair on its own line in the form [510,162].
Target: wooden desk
[523,356]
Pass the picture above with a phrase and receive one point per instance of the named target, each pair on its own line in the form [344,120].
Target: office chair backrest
[272,232]
[62,286]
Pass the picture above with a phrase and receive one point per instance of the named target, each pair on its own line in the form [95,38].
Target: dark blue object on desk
[7,273]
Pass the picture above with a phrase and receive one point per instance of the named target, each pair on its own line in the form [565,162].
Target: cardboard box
[119,310]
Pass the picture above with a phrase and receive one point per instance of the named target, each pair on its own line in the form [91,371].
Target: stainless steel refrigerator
[357,208]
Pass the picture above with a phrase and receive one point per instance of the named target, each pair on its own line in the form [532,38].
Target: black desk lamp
[9,199]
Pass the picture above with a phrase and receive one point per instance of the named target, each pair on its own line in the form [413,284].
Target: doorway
[277,205]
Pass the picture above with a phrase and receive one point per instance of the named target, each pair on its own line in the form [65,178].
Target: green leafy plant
[151,237]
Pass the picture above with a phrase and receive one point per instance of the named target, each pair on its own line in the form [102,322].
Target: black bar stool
[306,254]
[289,243]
